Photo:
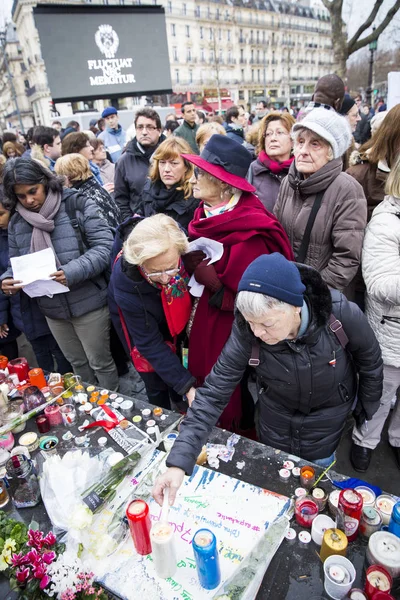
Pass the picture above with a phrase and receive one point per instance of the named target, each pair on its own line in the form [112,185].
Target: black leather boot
[360,457]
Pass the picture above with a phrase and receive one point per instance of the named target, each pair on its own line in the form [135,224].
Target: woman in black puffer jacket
[168,190]
[308,376]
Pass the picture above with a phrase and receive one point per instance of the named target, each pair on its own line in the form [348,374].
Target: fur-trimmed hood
[318,297]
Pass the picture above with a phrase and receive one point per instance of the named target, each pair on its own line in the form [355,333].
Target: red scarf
[176,301]
[246,232]
[273,165]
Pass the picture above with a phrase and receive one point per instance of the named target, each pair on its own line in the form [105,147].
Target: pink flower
[35,539]
[33,557]
[44,582]
[39,571]
[19,559]
[50,539]
[48,557]
[22,575]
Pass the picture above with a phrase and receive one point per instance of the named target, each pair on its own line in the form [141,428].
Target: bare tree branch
[375,34]
[329,4]
[367,23]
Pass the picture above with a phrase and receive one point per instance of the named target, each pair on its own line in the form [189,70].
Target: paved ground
[383,470]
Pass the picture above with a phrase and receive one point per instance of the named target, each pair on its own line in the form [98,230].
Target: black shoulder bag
[305,242]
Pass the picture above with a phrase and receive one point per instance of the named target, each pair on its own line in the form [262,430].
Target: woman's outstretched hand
[171,479]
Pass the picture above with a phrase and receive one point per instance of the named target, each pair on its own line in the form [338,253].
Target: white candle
[367,494]
[163,550]
[379,581]
[385,504]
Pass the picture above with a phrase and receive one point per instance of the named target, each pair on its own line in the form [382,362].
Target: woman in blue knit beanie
[314,356]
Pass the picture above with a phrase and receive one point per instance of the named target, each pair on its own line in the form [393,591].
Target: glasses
[169,272]
[279,133]
[148,127]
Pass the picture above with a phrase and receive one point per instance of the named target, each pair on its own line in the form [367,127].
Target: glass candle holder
[43,424]
[33,397]
[305,511]
[307,477]
[36,377]
[68,414]
[53,414]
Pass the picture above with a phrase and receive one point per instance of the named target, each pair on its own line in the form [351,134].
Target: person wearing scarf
[168,190]
[231,214]
[274,158]
[78,318]
[150,304]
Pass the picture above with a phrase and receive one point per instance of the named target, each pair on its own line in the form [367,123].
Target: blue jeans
[325,462]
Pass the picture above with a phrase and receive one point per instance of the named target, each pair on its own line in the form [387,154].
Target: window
[230,57]
[264,75]
[211,33]
[176,76]
[201,33]
[263,37]
[241,35]
[273,74]
[228,34]
[220,34]
[258,37]
[251,36]
[175,53]
[258,75]
[242,74]
[173,29]
[190,75]
[189,55]
[217,14]
[202,55]
[212,58]
[187,28]
[169,7]
[252,74]
[197,12]
[258,56]
[220,57]
[184,8]
[241,55]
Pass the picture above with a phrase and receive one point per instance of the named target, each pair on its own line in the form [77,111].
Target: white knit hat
[329,125]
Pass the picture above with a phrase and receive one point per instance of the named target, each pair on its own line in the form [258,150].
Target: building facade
[220,51]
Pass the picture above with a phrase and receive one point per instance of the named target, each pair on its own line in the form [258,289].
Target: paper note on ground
[213,250]
[34,271]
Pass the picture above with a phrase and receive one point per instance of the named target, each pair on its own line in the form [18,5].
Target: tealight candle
[357,594]
[385,504]
[320,496]
[367,494]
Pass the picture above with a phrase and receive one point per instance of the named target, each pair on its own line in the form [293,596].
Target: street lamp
[372,48]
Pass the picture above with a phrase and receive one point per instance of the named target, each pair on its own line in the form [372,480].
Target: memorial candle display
[349,512]
[377,579]
[163,550]
[205,551]
[305,511]
[138,516]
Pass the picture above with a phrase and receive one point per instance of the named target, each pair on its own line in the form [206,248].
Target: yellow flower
[10,545]
[3,564]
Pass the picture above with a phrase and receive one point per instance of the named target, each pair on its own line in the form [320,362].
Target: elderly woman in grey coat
[47,216]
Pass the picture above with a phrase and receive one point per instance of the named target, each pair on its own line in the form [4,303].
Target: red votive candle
[139,525]
[378,579]
[305,511]
[3,362]
[53,414]
[43,424]
[20,367]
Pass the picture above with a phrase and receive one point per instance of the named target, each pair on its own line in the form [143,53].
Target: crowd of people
[247,267]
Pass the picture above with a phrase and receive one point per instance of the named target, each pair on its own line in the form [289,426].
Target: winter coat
[141,306]
[130,176]
[114,141]
[338,231]
[157,199]
[83,271]
[7,302]
[303,401]
[188,133]
[22,310]
[107,171]
[371,177]
[107,208]
[381,272]
[267,184]
[235,134]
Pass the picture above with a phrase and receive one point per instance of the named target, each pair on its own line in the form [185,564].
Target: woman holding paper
[45,215]
[231,214]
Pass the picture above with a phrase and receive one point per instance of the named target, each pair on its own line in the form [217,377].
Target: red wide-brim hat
[225,159]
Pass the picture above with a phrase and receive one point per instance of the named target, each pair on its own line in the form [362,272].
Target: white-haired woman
[307,381]
[150,303]
[322,209]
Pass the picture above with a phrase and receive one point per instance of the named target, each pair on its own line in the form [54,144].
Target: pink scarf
[273,165]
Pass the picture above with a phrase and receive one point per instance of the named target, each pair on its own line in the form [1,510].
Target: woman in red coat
[229,213]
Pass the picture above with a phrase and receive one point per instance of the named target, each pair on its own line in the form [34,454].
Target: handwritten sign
[235,511]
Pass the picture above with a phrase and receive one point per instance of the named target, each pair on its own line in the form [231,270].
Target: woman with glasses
[231,214]
[150,303]
[168,190]
[274,157]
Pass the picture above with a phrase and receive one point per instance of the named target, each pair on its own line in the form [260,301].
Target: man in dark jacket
[188,129]
[132,168]
[235,118]
[309,374]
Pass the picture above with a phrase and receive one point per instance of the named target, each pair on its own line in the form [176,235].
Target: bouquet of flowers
[13,536]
